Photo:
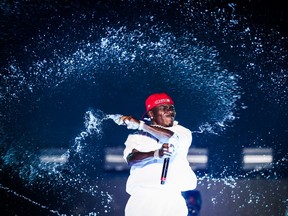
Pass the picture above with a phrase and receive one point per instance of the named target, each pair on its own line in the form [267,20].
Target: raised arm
[161,133]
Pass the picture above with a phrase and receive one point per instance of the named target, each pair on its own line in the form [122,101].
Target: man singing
[162,143]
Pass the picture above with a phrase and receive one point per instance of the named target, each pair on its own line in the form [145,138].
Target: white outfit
[148,196]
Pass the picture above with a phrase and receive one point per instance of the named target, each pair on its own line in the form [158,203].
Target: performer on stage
[157,154]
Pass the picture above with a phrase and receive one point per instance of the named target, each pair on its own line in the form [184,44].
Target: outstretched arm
[161,133]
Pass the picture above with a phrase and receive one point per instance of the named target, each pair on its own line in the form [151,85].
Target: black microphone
[164,170]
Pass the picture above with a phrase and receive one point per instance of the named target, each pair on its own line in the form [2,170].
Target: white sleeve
[130,144]
[139,142]
[181,135]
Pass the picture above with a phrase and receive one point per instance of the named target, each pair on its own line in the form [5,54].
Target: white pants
[149,202]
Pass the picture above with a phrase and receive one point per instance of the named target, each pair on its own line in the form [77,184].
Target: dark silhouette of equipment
[193,201]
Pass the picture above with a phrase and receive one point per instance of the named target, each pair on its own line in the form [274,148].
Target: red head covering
[157,99]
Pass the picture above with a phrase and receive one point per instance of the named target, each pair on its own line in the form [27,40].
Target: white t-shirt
[147,173]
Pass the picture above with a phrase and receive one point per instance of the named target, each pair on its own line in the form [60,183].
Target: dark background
[41,109]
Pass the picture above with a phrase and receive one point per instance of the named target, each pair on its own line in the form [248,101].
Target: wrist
[156,154]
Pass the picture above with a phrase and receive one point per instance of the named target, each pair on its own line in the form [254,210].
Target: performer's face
[163,115]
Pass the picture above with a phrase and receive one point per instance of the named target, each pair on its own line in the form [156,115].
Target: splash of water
[240,189]
[122,53]
[93,123]
[204,60]
[50,175]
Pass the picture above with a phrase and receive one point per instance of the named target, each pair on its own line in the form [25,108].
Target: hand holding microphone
[167,151]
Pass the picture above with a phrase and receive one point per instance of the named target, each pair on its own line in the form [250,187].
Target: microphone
[164,170]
